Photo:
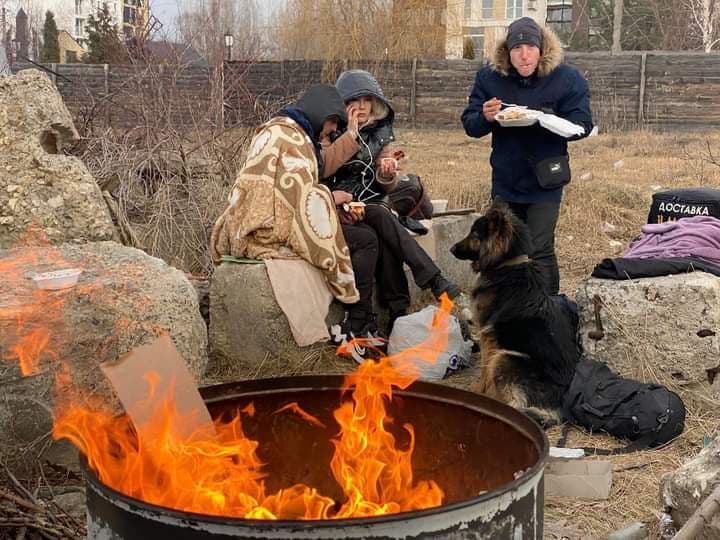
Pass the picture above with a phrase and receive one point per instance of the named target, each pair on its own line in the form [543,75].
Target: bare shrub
[171,172]
[371,30]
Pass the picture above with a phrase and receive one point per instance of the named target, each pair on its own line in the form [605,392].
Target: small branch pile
[23,514]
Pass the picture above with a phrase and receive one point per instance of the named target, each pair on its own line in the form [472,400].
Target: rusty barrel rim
[304,383]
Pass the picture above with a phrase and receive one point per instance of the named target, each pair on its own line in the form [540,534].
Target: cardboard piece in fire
[148,375]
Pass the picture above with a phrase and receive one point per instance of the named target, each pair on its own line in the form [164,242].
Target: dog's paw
[546,418]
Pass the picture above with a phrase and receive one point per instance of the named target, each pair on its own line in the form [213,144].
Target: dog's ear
[498,203]
[499,220]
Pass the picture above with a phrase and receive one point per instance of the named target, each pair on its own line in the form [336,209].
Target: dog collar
[520,259]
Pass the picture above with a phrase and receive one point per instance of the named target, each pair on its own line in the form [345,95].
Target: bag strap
[643,443]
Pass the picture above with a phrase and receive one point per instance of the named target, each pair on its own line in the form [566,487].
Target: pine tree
[104,43]
[50,52]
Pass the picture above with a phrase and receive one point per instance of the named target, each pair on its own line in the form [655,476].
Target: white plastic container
[517,117]
[57,279]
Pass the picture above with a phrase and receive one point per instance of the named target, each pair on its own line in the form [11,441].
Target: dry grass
[456,167]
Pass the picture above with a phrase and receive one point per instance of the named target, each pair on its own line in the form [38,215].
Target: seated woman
[359,166]
[278,210]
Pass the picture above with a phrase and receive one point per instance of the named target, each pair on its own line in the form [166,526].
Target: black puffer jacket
[358,175]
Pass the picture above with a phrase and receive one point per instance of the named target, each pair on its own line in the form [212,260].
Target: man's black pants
[541,219]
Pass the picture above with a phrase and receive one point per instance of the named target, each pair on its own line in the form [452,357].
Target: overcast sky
[166,11]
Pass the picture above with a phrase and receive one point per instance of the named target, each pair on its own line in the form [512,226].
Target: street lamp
[229,40]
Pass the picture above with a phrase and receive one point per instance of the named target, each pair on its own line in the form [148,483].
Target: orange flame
[376,477]
[220,473]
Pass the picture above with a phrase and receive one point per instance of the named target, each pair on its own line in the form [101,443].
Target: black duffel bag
[674,204]
[600,400]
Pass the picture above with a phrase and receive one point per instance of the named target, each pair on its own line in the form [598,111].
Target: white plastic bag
[560,126]
[411,330]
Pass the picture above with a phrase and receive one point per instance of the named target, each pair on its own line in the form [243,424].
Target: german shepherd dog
[528,345]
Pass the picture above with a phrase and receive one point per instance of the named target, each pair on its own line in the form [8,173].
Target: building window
[129,15]
[79,30]
[488,9]
[477,34]
[514,9]
[468,8]
[559,15]
[78,7]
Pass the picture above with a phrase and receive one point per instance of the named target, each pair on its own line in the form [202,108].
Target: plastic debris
[634,531]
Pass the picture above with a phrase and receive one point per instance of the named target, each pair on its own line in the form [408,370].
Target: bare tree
[204,23]
[617,26]
[367,29]
[704,22]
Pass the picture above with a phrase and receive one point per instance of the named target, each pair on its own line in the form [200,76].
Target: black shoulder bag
[552,172]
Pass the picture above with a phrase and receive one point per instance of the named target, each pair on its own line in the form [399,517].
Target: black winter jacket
[556,88]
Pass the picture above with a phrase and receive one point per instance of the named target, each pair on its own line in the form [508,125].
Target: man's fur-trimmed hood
[550,57]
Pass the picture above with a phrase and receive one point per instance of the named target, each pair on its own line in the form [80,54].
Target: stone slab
[666,326]
[124,298]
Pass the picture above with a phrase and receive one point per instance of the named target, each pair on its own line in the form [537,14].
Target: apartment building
[135,17]
[485,22]
[130,16]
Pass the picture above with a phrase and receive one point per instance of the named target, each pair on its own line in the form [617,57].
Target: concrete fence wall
[129,96]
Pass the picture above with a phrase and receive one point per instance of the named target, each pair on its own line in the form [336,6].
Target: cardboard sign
[586,478]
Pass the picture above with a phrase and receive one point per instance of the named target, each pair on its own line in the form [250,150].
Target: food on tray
[513,113]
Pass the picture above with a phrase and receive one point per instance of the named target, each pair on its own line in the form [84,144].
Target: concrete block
[666,325]
[247,326]
[684,490]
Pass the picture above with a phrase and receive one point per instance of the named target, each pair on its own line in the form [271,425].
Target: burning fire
[217,471]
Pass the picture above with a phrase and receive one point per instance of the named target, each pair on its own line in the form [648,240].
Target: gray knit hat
[524,30]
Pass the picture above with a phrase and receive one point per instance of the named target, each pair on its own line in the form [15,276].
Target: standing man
[530,165]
